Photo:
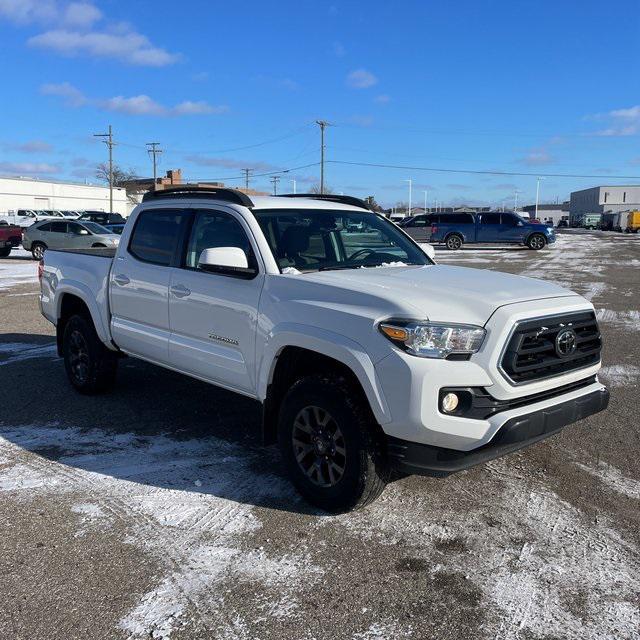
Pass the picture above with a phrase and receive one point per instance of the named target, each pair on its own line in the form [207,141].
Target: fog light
[449,402]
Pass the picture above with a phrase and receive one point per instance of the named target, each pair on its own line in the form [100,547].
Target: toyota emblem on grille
[566,343]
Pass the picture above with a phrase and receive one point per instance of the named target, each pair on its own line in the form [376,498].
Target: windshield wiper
[340,267]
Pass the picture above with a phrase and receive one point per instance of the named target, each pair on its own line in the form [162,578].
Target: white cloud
[361,79]
[33,146]
[537,157]
[140,105]
[383,98]
[198,108]
[29,168]
[623,122]
[81,14]
[128,46]
[73,29]
[73,96]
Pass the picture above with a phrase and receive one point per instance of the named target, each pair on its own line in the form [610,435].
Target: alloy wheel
[319,446]
[79,361]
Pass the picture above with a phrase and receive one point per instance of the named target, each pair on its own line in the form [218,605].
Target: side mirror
[83,232]
[519,223]
[228,261]
[428,249]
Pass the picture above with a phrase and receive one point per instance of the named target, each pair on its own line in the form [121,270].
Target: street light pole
[425,201]
[293,182]
[323,124]
[537,193]
[410,181]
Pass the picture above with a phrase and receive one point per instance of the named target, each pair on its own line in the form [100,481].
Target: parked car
[365,355]
[64,234]
[456,229]
[27,217]
[102,217]
[10,237]
[562,224]
[590,221]
[114,228]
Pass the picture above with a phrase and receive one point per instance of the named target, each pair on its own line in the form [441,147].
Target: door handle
[180,291]
[121,279]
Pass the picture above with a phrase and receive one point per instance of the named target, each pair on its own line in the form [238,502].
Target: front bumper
[516,432]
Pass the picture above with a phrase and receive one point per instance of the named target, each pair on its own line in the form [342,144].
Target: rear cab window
[156,234]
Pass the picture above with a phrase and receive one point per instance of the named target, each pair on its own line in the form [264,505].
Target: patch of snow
[389,264]
[620,375]
[291,271]
[196,533]
[628,319]
[14,273]
[613,478]
[20,351]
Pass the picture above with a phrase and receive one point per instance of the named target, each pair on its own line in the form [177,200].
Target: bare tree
[316,189]
[120,176]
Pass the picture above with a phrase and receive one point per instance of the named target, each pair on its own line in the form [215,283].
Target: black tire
[5,251]
[454,242]
[37,250]
[357,448]
[90,366]
[536,241]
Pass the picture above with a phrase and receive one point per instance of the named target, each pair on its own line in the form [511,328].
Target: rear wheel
[5,251]
[330,444]
[536,242]
[454,242]
[90,366]
[37,250]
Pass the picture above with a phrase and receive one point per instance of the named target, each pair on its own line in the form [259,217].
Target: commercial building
[551,213]
[607,199]
[31,193]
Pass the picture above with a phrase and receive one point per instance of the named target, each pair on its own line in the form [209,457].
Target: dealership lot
[154,512]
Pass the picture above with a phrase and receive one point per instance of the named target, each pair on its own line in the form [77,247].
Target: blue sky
[542,87]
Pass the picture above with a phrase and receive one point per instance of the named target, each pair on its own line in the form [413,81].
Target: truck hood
[441,293]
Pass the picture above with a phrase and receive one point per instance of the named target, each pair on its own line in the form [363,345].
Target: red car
[10,237]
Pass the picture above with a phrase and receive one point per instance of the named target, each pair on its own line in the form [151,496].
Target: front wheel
[5,251]
[536,242]
[330,444]
[37,250]
[454,243]
[90,366]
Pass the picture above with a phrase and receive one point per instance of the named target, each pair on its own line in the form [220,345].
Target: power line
[274,182]
[255,175]
[481,172]
[246,177]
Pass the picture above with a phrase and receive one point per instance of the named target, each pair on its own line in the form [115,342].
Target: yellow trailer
[633,221]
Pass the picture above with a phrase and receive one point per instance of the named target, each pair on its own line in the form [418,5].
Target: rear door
[213,316]
[419,228]
[56,237]
[139,284]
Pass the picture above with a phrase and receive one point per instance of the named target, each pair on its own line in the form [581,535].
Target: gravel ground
[154,512]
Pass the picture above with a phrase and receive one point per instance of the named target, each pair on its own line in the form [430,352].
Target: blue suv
[456,229]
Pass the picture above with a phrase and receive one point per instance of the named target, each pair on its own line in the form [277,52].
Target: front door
[214,316]
[419,228]
[139,285]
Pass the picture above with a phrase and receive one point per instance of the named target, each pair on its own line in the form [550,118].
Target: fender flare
[533,233]
[455,233]
[80,290]
[328,343]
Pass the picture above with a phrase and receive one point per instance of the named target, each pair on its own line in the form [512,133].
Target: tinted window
[490,218]
[45,227]
[155,236]
[58,227]
[456,218]
[74,227]
[509,219]
[213,229]
[418,221]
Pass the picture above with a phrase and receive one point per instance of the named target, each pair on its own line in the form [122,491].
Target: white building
[606,199]
[31,193]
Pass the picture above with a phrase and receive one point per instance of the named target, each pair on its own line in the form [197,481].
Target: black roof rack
[211,193]
[352,200]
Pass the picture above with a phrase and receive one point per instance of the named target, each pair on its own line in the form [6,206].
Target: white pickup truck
[370,361]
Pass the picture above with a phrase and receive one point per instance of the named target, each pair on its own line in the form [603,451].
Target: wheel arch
[289,357]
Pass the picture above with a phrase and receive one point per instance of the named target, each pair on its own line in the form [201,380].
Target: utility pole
[425,201]
[274,181]
[293,182]
[246,177]
[153,151]
[515,200]
[323,124]
[109,142]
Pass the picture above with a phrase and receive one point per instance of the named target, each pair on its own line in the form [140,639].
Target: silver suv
[62,234]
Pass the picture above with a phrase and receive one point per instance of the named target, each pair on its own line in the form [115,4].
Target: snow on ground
[17,272]
[614,479]
[620,375]
[626,319]
[182,501]
[11,352]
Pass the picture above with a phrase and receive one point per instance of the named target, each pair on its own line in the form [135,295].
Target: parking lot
[154,511]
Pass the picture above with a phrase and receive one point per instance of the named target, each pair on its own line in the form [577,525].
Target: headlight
[432,339]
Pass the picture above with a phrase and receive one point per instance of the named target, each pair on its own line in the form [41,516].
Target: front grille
[532,353]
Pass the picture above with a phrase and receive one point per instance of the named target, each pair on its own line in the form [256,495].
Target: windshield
[94,227]
[318,240]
